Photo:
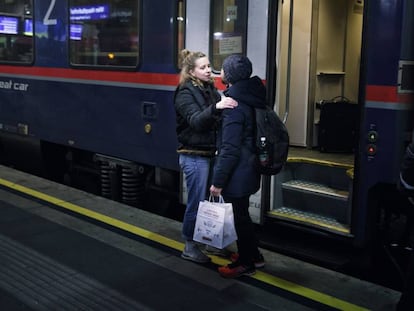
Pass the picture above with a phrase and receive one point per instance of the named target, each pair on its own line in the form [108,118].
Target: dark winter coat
[235,168]
[197,118]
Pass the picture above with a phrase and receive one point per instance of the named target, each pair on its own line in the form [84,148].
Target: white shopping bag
[215,223]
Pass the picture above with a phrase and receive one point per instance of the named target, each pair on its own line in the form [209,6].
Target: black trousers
[247,243]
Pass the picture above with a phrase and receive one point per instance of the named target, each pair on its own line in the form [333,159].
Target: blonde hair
[188,60]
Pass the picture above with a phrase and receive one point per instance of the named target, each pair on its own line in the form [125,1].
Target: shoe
[193,253]
[235,270]
[258,262]
[217,251]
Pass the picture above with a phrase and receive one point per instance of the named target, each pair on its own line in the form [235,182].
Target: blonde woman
[198,107]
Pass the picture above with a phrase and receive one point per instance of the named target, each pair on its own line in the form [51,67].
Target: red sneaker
[258,262]
[235,270]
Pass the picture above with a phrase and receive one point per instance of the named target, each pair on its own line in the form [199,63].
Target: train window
[104,33]
[229,30]
[16,32]
[181,17]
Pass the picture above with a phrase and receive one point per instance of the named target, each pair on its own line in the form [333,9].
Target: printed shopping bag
[215,223]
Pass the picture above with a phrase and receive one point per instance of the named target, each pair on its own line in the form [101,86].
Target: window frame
[212,35]
[108,67]
[9,37]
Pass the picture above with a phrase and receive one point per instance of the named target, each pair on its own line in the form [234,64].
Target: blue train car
[96,98]
[387,118]
[92,78]
[86,88]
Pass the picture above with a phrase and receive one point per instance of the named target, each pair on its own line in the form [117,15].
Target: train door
[317,94]
[337,88]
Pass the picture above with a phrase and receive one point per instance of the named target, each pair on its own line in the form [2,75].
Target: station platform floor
[65,249]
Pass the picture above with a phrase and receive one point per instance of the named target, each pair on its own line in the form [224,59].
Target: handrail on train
[289,61]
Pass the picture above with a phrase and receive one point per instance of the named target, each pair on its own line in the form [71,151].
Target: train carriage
[86,94]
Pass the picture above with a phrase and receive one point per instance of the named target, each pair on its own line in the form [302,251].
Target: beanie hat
[237,67]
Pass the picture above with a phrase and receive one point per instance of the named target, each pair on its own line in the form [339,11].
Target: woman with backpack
[235,172]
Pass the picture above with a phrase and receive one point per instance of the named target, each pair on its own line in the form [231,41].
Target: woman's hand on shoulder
[226,102]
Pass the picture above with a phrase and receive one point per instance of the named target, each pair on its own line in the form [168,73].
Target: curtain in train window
[16,32]
[229,30]
[104,33]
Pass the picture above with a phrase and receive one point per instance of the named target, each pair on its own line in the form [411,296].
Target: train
[86,98]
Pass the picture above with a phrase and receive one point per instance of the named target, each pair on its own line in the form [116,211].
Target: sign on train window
[16,32]
[229,25]
[103,33]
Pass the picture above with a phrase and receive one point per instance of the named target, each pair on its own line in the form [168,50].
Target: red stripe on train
[388,94]
[96,75]
[100,75]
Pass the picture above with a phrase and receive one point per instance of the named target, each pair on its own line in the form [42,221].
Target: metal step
[310,219]
[311,187]
[315,198]
[330,174]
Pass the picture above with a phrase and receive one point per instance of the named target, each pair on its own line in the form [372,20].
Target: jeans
[196,171]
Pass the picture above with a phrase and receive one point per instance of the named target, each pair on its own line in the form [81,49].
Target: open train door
[318,58]
[344,87]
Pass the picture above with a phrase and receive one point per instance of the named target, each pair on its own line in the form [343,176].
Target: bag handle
[340,98]
[211,198]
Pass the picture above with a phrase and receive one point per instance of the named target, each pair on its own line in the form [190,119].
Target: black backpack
[272,141]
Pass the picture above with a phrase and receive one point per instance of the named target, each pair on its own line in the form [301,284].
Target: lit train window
[229,22]
[104,33]
[181,17]
[16,32]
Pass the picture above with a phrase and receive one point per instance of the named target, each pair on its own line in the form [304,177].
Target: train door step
[311,187]
[310,219]
[316,198]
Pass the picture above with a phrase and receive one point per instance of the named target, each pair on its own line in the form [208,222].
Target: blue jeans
[196,170]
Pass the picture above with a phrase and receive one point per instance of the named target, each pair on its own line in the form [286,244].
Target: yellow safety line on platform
[94,215]
[261,276]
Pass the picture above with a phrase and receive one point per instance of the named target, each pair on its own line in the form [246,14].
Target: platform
[64,249]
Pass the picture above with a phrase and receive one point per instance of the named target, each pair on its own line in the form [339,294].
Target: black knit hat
[237,67]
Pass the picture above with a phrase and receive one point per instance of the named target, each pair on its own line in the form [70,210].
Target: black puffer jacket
[197,118]
[235,169]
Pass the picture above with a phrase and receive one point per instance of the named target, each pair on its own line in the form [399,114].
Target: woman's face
[202,69]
